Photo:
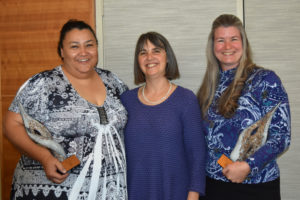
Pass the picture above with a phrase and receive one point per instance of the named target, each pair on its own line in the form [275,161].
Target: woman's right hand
[16,134]
[54,170]
[237,171]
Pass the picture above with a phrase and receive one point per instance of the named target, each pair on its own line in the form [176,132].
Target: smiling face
[79,52]
[228,46]
[152,60]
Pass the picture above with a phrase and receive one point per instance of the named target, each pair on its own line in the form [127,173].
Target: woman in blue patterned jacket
[247,117]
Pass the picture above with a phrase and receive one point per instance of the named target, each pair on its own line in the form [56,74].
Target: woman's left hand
[237,171]
[54,170]
[193,195]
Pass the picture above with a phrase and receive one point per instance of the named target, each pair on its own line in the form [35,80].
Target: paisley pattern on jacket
[262,92]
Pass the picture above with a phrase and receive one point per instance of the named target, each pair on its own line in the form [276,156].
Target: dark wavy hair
[70,25]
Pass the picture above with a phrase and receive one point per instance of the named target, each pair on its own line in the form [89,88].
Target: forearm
[15,132]
[279,129]
[194,142]
[263,156]
[193,195]
[279,137]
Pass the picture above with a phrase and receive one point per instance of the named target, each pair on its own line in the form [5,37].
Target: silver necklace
[158,101]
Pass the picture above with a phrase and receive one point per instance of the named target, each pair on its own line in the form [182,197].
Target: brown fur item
[249,142]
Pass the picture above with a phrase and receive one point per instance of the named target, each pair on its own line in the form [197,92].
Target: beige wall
[185,24]
[273,28]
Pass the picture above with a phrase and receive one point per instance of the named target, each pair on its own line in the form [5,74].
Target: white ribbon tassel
[80,179]
[96,155]
[96,167]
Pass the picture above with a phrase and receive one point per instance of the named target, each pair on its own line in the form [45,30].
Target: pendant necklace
[158,101]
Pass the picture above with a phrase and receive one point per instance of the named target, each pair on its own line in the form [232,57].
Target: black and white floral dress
[75,124]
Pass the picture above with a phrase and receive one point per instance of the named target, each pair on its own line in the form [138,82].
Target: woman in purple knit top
[165,145]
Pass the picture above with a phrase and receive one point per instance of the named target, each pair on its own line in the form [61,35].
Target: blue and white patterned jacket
[262,92]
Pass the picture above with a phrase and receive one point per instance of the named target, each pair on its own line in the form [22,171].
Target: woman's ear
[62,53]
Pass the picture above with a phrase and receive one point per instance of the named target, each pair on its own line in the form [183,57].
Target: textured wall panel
[273,28]
[185,24]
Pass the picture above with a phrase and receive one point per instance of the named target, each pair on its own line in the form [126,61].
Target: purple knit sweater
[165,147]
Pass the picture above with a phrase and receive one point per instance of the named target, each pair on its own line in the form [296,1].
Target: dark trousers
[220,190]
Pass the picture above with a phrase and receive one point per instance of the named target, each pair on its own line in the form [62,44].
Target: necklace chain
[158,101]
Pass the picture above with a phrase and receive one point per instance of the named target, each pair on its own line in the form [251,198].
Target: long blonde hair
[228,102]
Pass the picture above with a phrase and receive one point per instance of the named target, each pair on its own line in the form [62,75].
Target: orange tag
[70,162]
[224,161]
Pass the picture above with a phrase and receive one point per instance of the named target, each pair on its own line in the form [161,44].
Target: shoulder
[41,79]
[262,75]
[129,94]
[185,95]
[36,88]
[107,73]
[187,103]
[185,99]
[112,80]
[103,72]
[263,79]
[45,74]
[129,97]
[266,84]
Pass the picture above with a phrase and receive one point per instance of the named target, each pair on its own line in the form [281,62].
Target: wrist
[44,156]
[193,195]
